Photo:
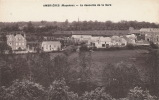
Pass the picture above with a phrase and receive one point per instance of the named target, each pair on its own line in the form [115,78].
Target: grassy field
[100,59]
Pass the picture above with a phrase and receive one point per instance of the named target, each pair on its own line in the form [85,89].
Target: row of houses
[147,34]
[106,42]
[19,44]
[142,36]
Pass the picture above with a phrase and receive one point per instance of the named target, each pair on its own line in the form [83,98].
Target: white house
[100,42]
[17,41]
[115,41]
[131,39]
[118,41]
[49,46]
[123,42]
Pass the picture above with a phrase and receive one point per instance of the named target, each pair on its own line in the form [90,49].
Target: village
[79,50]
[20,43]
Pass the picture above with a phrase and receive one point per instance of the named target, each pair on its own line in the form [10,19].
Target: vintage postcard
[79,49]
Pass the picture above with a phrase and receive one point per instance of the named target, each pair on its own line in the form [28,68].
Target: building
[82,37]
[100,42]
[118,41]
[154,37]
[145,30]
[17,41]
[131,38]
[151,34]
[48,46]
[33,46]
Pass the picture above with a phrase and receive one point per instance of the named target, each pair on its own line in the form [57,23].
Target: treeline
[45,26]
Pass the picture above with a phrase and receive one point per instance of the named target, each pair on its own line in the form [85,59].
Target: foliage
[4,46]
[30,27]
[75,26]
[130,46]
[84,48]
[60,67]
[23,90]
[121,77]
[97,94]
[154,46]
[59,91]
[70,49]
[84,64]
[138,94]
[122,73]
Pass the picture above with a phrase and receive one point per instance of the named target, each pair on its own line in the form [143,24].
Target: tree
[97,94]
[154,46]
[121,77]
[138,94]
[23,90]
[4,47]
[60,67]
[30,28]
[58,90]
[84,63]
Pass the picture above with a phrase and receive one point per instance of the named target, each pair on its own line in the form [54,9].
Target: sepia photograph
[79,49]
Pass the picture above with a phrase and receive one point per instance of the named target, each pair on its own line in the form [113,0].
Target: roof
[81,36]
[105,39]
[16,34]
[149,30]
[51,42]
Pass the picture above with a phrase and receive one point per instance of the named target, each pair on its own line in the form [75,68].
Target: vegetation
[130,46]
[4,47]
[82,75]
[138,94]
[122,76]
[58,90]
[44,26]
[154,46]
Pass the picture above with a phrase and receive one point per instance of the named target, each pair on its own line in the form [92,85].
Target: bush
[97,94]
[138,94]
[154,46]
[84,48]
[58,90]
[23,90]
[130,46]
[70,49]
[118,78]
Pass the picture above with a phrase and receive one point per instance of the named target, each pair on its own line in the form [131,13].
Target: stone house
[118,41]
[17,41]
[151,34]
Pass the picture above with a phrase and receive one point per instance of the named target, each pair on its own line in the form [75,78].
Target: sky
[33,10]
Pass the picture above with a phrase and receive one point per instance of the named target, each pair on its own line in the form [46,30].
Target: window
[148,39]
[103,45]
